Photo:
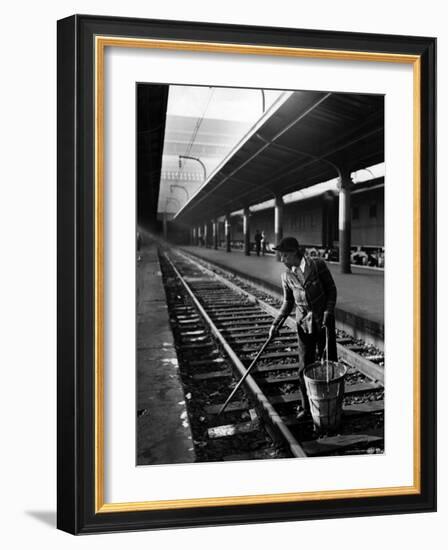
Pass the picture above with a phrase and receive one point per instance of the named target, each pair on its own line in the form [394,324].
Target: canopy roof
[307,138]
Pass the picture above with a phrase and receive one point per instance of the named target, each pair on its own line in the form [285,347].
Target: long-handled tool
[254,362]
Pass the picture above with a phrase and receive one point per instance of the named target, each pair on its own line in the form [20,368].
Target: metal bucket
[324,383]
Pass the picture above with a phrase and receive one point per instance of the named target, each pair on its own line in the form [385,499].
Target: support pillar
[195,237]
[278,222]
[227,228]
[328,219]
[345,221]
[215,234]
[246,231]
[206,235]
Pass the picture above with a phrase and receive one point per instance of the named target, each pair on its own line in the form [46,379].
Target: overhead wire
[196,130]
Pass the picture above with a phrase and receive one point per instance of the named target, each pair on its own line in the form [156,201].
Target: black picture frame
[77,474]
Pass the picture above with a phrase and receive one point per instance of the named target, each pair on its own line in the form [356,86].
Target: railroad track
[219,328]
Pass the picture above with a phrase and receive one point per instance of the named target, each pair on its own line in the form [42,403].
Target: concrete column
[278,222]
[345,221]
[328,205]
[227,228]
[215,234]
[246,231]
[195,236]
[206,235]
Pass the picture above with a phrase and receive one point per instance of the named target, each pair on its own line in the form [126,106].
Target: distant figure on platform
[264,243]
[308,284]
[201,240]
[257,238]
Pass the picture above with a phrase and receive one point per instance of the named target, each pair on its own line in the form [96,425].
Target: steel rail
[269,413]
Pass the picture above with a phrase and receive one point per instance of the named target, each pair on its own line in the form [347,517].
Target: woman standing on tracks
[308,284]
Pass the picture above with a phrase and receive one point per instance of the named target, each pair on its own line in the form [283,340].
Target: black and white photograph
[259,261]
[220,306]
[246,299]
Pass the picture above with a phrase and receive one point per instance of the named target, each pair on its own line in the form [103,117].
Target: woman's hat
[287,244]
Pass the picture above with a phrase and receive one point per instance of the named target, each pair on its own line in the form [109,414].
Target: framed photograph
[246,274]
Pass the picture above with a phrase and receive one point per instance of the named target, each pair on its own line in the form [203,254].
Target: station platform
[163,429]
[360,302]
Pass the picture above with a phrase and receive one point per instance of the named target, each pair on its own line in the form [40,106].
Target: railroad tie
[229,430]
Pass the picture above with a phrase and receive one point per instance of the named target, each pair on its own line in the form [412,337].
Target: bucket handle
[325,351]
